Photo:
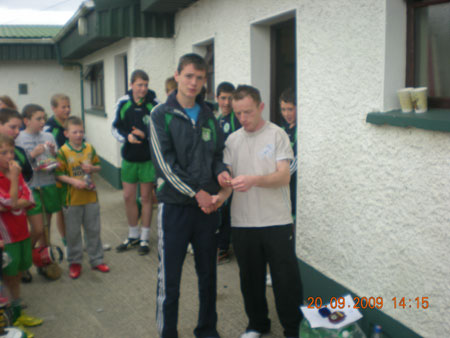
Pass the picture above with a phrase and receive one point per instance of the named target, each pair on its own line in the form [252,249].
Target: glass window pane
[432,49]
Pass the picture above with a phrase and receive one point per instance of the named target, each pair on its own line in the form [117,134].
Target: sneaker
[29,321]
[128,244]
[101,267]
[23,330]
[223,257]
[250,334]
[26,276]
[74,270]
[144,248]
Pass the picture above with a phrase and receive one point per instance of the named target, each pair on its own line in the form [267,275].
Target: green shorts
[134,172]
[52,200]
[20,254]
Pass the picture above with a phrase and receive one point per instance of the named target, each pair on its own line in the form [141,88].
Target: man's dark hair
[288,96]
[196,60]
[243,91]
[7,114]
[224,87]
[30,109]
[139,74]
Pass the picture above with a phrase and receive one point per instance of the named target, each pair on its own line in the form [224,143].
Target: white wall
[372,201]
[44,78]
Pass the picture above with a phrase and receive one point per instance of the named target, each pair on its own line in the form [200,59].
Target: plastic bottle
[377,332]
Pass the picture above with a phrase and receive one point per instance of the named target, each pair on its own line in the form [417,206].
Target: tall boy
[187,146]
[38,145]
[55,125]
[15,196]
[76,160]
[229,124]
[289,113]
[131,128]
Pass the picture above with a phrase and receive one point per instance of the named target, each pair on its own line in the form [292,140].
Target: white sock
[145,234]
[133,231]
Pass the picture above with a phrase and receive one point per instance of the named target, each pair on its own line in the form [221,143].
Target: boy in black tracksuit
[187,148]
[131,127]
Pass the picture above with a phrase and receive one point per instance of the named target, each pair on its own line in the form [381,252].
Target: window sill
[96,112]
[433,119]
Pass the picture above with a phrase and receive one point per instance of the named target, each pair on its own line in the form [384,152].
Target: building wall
[44,78]
[372,201]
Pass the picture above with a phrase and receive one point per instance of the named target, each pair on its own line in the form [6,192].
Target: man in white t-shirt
[258,156]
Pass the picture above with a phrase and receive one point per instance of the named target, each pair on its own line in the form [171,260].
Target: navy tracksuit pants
[179,225]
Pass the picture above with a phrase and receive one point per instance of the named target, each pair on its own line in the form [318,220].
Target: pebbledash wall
[155,56]
[43,79]
[372,201]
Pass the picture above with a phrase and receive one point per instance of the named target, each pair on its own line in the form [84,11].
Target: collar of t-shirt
[193,112]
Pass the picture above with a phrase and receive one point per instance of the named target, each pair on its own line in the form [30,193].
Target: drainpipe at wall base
[77,64]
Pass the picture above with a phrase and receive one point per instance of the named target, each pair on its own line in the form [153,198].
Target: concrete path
[121,304]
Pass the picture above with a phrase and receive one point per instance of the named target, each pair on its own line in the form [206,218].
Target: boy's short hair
[7,114]
[139,74]
[196,60]
[243,91]
[8,102]
[30,109]
[6,140]
[73,121]
[171,84]
[224,87]
[288,96]
[57,98]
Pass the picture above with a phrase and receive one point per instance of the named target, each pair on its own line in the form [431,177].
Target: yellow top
[70,161]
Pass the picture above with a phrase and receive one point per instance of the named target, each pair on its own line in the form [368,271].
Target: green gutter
[62,63]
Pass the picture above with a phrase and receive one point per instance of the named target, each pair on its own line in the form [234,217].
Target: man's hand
[14,168]
[136,135]
[52,147]
[38,150]
[205,201]
[133,139]
[138,132]
[224,179]
[242,183]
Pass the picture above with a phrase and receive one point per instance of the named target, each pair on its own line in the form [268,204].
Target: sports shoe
[250,334]
[101,267]
[74,270]
[29,321]
[128,244]
[223,257]
[26,277]
[144,248]
[25,332]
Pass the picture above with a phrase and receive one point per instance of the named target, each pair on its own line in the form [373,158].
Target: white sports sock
[145,234]
[133,231]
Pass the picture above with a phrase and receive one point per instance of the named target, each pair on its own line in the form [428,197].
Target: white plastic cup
[406,102]
[419,97]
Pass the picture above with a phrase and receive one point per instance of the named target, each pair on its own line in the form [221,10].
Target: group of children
[45,171]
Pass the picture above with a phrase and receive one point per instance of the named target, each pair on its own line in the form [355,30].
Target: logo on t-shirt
[267,151]
[226,127]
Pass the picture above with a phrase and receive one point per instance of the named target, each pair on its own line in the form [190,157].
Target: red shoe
[101,267]
[74,270]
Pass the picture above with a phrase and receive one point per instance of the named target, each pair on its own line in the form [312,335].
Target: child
[15,196]
[55,125]
[40,146]
[289,113]
[77,161]
[131,128]
[10,124]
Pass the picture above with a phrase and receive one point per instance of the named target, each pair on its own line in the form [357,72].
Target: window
[428,49]
[94,74]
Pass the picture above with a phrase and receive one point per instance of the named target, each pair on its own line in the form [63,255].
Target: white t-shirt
[257,153]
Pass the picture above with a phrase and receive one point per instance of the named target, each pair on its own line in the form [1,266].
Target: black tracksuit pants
[179,225]
[254,248]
